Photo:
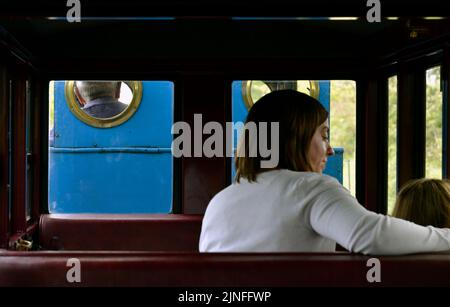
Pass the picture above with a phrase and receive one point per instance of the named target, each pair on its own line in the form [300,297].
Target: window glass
[118,163]
[392,143]
[433,140]
[343,127]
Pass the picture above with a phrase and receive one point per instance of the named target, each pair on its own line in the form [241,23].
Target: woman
[425,202]
[293,207]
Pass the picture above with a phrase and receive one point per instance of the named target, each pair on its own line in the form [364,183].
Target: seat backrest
[147,232]
[185,269]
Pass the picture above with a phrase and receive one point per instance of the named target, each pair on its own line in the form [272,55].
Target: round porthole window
[103,104]
[253,90]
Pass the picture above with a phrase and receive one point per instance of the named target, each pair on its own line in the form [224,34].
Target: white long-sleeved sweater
[286,211]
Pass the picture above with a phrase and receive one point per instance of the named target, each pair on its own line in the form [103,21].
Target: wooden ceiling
[120,33]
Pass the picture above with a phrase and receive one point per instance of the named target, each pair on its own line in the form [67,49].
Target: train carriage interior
[110,193]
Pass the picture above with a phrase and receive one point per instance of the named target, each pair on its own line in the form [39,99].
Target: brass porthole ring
[247,92]
[75,108]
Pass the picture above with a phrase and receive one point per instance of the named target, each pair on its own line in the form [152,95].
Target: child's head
[425,202]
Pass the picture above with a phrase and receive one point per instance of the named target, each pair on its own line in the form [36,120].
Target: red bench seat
[136,232]
[200,270]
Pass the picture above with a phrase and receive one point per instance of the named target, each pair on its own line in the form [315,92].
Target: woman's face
[320,148]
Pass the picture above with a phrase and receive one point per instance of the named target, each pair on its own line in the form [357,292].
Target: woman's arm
[336,214]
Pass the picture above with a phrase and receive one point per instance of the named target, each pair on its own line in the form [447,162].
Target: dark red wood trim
[380,124]
[371,143]
[19,151]
[411,124]
[445,74]
[59,68]
[202,177]
[383,137]
[4,200]
[36,146]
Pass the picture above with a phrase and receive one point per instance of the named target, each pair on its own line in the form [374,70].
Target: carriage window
[433,141]
[338,97]
[392,143]
[109,146]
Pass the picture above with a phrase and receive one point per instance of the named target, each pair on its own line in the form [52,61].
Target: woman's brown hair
[425,202]
[298,116]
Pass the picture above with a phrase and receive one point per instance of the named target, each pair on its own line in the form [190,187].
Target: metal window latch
[29,156]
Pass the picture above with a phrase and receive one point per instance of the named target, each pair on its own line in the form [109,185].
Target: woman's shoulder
[311,177]
[284,178]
